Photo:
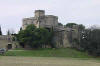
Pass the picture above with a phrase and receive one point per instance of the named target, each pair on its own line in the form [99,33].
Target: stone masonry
[60,38]
[6,42]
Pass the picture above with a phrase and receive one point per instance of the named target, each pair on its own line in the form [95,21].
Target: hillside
[68,52]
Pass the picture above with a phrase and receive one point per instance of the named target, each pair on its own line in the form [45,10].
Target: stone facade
[63,37]
[6,42]
[41,20]
[61,34]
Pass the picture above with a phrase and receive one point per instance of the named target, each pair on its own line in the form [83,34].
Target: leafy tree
[81,27]
[60,24]
[34,37]
[42,37]
[26,36]
[91,41]
[70,25]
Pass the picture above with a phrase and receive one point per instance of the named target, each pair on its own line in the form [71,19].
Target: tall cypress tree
[8,32]
[0,31]
[20,28]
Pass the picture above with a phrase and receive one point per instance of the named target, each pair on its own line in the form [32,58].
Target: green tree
[70,25]
[91,41]
[60,24]
[34,37]
[42,37]
[26,36]
[81,27]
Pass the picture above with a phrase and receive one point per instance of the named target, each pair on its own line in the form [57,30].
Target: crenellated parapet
[5,37]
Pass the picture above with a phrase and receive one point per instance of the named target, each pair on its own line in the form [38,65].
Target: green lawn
[69,53]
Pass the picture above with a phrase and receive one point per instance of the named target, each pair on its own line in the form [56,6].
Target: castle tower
[39,13]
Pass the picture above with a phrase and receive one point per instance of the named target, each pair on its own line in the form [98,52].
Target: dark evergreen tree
[8,32]
[20,28]
[0,31]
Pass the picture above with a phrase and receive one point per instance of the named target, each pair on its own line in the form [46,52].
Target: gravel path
[45,61]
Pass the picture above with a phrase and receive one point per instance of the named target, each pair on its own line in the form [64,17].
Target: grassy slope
[69,53]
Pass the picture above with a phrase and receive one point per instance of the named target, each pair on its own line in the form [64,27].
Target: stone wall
[63,37]
[5,40]
[41,20]
[60,38]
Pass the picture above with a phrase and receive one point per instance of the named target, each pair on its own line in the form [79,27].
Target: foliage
[60,24]
[41,37]
[91,41]
[70,25]
[34,37]
[81,27]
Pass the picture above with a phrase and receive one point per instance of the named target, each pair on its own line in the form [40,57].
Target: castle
[41,20]
[61,36]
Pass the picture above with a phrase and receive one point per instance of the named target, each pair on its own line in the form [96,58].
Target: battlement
[5,37]
[39,11]
[51,16]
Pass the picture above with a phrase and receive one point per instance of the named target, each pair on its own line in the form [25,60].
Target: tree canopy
[70,25]
[34,37]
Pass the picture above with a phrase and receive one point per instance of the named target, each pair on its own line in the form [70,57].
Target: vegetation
[88,40]
[68,53]
[8,32]
[91,41]
[70,25]
[0,31]
[60,24]
[34,37]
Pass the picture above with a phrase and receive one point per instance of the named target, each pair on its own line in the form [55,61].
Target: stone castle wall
[41,20]
[5,40]
[63,37]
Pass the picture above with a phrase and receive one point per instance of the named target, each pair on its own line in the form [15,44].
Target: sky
[85,12]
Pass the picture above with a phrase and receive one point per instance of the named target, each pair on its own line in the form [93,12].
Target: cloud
[79,11]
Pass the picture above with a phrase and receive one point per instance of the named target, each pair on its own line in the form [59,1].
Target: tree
[26,36]
[8,32]
[20,28]
[81,27]
[34,37]
[70,25]
[42,37]
[60,24]
[91,41]
[0,31]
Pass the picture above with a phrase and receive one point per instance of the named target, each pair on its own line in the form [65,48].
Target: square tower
[39,13]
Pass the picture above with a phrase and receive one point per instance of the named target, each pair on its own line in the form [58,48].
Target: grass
[68,52]
[46,61]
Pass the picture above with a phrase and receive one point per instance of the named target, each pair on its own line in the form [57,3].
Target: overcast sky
[85,12]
